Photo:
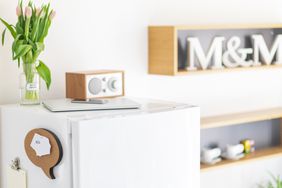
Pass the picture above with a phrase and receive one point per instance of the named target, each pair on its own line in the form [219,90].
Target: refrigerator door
[150,150]
[15,122]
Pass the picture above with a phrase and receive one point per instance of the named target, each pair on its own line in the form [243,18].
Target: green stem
[27,28]
[29,71]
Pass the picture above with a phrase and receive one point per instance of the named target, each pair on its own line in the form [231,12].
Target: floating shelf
[164,56]
[257,155]
[239,118]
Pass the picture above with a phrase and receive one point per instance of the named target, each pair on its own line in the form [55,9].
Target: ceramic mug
[232,151]
[211,156]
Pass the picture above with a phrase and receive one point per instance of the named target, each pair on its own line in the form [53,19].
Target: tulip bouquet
[29,34]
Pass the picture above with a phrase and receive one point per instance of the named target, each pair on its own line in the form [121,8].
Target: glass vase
[29,85]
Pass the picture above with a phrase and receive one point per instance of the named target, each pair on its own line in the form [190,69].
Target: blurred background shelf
[239,118]
[257,155]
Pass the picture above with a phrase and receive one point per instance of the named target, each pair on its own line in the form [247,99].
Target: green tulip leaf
[17,42]
[40,46]
[29,57]
[19,62]
[44,73]
[10,28]
[19,28]
[3,36]
[22,50]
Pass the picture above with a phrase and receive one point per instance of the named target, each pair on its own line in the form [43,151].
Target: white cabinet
[156,146]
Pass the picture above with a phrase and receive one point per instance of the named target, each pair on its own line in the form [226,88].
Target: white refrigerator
[156,146]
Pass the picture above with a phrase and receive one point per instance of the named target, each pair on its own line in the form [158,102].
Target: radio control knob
[114,84]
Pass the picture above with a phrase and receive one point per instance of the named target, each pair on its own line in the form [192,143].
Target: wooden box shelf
[164,47]
[235,119]
[239,118]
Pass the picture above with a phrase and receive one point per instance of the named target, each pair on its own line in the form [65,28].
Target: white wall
[91,34]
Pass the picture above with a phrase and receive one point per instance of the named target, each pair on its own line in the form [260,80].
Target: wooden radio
[94,84]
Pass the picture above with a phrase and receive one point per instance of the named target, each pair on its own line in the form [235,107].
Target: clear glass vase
[29,85]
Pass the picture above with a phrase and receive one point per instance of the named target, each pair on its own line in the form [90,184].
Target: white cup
[232,151]
[210,156]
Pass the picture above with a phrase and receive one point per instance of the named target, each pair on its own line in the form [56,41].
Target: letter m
[262,51]
[215,51]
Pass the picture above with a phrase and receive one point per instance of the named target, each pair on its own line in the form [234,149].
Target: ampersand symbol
[234,56]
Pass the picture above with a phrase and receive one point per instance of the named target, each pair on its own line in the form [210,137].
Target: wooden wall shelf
[163,47]
[257,155]
[239,118]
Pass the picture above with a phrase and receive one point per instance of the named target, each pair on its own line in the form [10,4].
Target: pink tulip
[28,12]
[19,11]
[52,15]
[38,11]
